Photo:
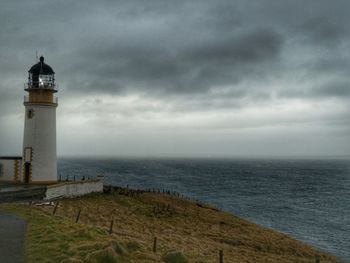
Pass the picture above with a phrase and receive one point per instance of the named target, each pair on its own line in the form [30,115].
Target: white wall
[40,135]
[71,189]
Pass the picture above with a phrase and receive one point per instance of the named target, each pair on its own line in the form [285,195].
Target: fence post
[55,208]
[78,216]
[111,227]
[155,244]
[221,256]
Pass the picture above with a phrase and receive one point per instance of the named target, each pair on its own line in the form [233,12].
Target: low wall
[71,189]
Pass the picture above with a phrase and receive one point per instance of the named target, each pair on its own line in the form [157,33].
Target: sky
[183,78]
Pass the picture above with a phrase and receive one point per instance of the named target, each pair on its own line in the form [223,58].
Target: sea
[306,199]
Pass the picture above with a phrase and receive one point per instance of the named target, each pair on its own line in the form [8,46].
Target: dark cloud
[334,89]
[182,47]
[325,31]
[180,57]
[164,48]
[190,69]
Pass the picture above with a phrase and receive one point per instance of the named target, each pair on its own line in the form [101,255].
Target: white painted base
[39,142]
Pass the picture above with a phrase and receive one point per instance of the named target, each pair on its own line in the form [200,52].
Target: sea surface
[307,199]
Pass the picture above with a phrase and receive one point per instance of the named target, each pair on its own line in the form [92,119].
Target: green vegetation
[175,257]
[53,239]
[198,231]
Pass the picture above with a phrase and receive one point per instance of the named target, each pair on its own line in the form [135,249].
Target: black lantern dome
[41,76]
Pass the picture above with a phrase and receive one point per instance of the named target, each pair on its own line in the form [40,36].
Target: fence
[158,209]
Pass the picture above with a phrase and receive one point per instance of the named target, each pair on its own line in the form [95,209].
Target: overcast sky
[183,78]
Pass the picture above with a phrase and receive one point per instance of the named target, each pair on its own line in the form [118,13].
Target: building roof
[10,157]
[41,68]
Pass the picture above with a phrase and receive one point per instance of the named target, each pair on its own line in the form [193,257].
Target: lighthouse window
[30,114]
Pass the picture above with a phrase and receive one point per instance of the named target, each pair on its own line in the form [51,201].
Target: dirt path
[12,231]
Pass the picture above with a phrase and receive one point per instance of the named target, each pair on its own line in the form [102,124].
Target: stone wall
[72,189]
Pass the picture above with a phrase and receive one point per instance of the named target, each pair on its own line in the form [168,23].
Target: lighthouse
[38,163]
[39,160]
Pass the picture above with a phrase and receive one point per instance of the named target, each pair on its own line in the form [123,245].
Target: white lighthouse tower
[39,141]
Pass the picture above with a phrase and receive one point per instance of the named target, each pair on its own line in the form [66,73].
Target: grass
[53,239]
[175,257]
[185,231]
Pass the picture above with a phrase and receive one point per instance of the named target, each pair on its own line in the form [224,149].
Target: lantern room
[41,84]
[41,76]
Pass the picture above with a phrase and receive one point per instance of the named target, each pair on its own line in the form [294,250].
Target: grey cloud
[328,89]
[253,47]
[10,100]
[164,48]
[336,64]
[325,31]
[187,56]
[189,69]
[336,89]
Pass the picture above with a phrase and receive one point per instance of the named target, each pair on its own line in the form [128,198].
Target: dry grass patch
[194,232]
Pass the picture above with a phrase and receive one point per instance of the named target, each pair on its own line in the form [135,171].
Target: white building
[38,164]
[11,169]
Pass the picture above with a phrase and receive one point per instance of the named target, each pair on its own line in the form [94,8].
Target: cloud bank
[184,78]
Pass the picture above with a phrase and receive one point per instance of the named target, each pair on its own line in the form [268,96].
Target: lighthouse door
[26,173]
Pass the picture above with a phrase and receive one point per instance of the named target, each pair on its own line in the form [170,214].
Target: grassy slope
[180,225]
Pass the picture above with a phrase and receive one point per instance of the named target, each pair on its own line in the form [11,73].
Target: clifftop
[183,228]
